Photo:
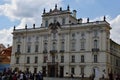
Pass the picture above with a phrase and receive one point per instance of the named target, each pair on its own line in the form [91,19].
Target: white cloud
[6,36]
[26,11]
[115,31]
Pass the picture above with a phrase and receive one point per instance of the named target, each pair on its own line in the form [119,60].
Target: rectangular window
[53,59]
[82,58]
[35,70]
[36,59]
[29,49]
[36,48]
[17,60]
[28,60]
[95,43]
[95,59]
[73,46]
[63,21]
[54,46]
[46,23]
[62,59]
[73,58]
[18,48]
[45,46]
[73,70]
[82,70]
[62,45]
[45,59]
[82,44]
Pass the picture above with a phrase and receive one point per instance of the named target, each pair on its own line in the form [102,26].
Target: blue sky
[21,12]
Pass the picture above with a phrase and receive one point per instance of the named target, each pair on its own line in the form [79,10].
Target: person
[72,75]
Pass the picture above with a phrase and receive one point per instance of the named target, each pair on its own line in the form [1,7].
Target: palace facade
[64,45]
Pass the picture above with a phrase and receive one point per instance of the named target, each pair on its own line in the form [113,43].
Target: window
[82,44]
[54,46]
[54,35]
[46,23]
[82,70]
[73,58]
[36,48]
[55,20]
[63,21]
[62,45]
[73,70]
[95,43]
[19,39]
[45,46]
[53,58]
[35,70]
[62,59]
[73,46]
[36,59]
[17,60]
[82,34]
[73,35]
[37,38]
[82,58]
[18,48]
[95,33]
[28,60]
[95,59]
[29,48]
[29,39]
[45,59]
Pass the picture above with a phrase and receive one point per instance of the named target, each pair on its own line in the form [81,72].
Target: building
[5,56]
[64,45]
[2,47]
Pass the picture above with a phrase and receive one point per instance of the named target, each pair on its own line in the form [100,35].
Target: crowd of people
[8,74]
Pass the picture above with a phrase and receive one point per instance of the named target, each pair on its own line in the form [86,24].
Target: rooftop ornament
[56,6]
[68,8]
[87,20]
[60,8]
[26,26]
[104,18]
[44,11]
[14,28]
[33,26]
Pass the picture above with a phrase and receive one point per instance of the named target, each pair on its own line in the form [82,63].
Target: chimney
[74,13]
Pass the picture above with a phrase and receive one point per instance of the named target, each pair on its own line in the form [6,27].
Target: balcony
[52,63]
[95,49]
[53,51]
[45,51]
[61,51]
[17,53]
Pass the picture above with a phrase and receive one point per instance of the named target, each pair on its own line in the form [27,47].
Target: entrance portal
[52,70]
